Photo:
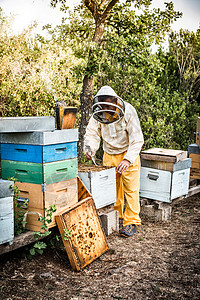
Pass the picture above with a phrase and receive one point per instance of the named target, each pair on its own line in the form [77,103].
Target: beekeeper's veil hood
[107,107]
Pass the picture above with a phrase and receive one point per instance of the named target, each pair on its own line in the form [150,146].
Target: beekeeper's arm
[92,138]
[136,140]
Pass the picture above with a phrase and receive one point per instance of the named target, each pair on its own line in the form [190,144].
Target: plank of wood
[19,241]
[161,154]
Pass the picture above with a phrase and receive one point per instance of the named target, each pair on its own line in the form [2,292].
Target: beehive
[194,154]
[198,132]
[6,212]
[40,157]
[100,182]
[35,198]
[82,234]
[164,174]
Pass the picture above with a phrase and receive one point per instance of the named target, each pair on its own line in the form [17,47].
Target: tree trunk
[86,109]
[87,91]
[100,12]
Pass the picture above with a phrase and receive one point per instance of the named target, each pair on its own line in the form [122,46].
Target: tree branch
[108,9]
[101,5]
[91,5]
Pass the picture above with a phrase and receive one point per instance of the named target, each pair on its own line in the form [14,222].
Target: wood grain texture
[165,155]
[87,240]
[195,173]
[83,192]
[167,166]
[19,241]
[195,160]
[61,194]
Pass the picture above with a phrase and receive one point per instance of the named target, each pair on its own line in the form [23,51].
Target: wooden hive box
[48,173]
[38,153]
[194,154]
[82,234]
[100,182]
[35,198]
[6,212]
[166,178]
[40,157]
[198,132]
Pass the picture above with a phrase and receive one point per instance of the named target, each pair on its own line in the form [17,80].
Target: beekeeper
[116,121]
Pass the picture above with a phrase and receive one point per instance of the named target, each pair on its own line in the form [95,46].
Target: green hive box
[40,173]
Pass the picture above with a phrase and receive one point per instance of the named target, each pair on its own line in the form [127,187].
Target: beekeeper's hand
[89,154]
[123,166]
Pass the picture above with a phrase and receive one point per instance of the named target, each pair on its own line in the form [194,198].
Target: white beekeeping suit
[123,134]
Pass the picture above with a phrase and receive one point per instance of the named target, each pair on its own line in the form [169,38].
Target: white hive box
[165,178]
[101,183]
[6,212]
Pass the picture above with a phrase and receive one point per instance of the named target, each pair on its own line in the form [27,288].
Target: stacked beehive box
[194,154]
[198,132]
[6,211]
[45,166]
[164,174]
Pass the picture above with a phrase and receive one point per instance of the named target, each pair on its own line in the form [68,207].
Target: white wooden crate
[6,220]
[163,185]
[102,186]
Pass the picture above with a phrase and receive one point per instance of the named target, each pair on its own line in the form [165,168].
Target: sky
[27,11]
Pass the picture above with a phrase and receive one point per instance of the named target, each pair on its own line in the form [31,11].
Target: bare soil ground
[162,261]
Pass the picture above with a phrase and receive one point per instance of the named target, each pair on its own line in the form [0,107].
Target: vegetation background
[163,86]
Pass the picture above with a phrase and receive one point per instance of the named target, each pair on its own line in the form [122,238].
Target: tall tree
[185,47]
[104,14]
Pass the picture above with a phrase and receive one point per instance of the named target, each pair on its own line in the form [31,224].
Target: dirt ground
[162,261]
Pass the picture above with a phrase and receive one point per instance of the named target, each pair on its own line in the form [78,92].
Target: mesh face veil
[107,106]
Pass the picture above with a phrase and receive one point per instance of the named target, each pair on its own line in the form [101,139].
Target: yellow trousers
[128,184]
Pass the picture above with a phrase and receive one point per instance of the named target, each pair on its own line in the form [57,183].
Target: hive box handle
[153,176]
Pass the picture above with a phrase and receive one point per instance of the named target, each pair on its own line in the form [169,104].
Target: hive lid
[161,154]
[27,124]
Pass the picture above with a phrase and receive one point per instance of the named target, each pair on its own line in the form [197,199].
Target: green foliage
[33,73]
[67,234]
[39,246]
[19,223]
